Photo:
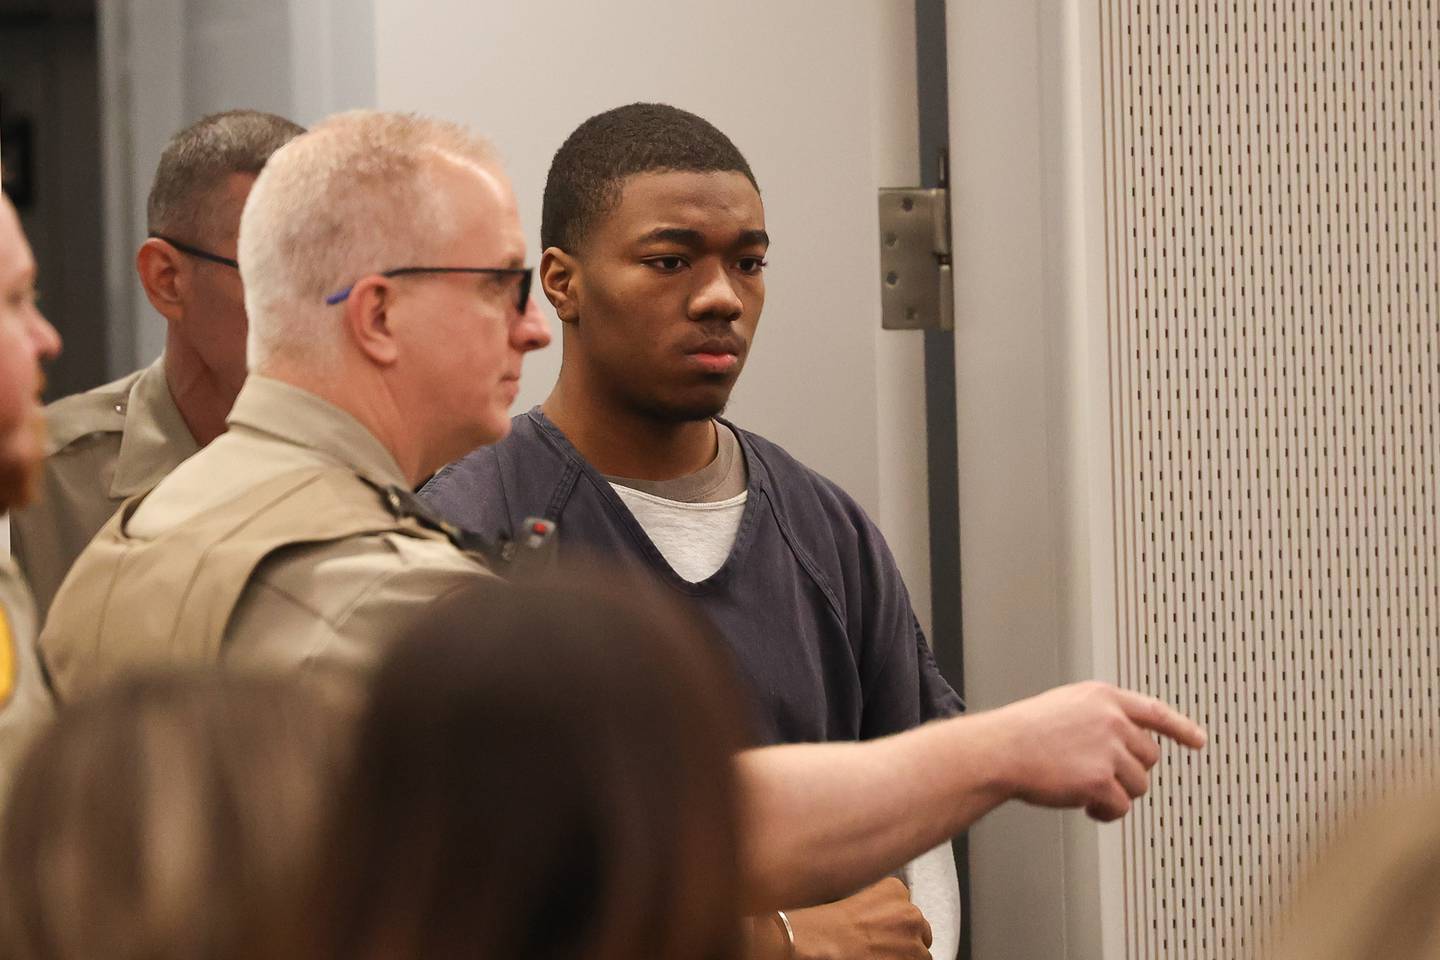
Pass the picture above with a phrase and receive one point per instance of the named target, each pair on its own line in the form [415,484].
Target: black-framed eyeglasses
[196,252]
[524,273]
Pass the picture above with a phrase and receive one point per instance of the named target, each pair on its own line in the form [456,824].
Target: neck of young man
[202,397]
[621,441]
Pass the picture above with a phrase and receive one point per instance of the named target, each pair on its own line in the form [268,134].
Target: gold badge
[7,658]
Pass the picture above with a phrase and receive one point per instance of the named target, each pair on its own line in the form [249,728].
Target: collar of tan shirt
[155,440]
[298,417]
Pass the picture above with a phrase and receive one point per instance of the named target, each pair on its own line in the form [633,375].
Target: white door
[1196,278]
[1027,404]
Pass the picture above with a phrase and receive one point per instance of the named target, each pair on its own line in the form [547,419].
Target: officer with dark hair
[122,438]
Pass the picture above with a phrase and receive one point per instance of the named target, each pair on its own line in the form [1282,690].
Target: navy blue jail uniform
[809,599]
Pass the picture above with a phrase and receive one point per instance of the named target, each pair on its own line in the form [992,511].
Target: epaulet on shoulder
[101,410]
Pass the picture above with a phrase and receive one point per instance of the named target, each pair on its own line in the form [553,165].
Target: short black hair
[588,171]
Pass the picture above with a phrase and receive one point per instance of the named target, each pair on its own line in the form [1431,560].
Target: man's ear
[560,279]
[163,277]
[369,322]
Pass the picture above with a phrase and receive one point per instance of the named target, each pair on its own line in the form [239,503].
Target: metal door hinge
[916,284]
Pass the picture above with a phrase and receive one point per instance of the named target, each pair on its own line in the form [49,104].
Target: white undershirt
[694,538]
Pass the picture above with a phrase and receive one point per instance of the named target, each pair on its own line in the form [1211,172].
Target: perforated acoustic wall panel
[1274,282]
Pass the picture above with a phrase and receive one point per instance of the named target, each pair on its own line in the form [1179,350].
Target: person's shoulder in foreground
[26,339]
[25,702]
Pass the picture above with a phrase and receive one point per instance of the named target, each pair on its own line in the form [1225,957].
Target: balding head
[362,192]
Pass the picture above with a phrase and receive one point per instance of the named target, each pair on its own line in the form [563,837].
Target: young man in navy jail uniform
[654,246]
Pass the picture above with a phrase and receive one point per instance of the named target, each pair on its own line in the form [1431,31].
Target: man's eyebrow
[681,235]
[694,238]
[750,238]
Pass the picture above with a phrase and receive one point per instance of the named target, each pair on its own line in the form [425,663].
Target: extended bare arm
[825,819]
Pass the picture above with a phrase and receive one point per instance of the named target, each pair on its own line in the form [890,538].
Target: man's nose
[715,297]
[45,337]
[531,332]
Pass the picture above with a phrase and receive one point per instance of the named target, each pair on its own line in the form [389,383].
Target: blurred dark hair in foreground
[544,772]
[171,816]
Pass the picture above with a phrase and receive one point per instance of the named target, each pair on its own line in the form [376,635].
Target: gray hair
[200,157]
[356,194]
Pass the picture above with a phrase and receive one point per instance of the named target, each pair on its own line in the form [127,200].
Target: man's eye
[752,265]
[666,264]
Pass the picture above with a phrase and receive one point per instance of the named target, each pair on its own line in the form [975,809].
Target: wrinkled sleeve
[469,493]
[337,614]
[903,685]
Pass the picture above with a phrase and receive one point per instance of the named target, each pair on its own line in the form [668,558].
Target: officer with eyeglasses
[120,439]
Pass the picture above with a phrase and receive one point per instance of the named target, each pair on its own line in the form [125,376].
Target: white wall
[819,98]
[1030,393]
[167,63]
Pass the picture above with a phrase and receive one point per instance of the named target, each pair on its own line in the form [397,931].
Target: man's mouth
[716,355]
[715,362]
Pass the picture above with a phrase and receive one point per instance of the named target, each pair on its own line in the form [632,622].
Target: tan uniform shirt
[105,445]
[25,705]
[321,602]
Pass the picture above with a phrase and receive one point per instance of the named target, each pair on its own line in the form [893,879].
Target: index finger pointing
[1156,715]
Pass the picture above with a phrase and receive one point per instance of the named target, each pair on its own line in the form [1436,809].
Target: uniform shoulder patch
[75,417]
[7,658]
